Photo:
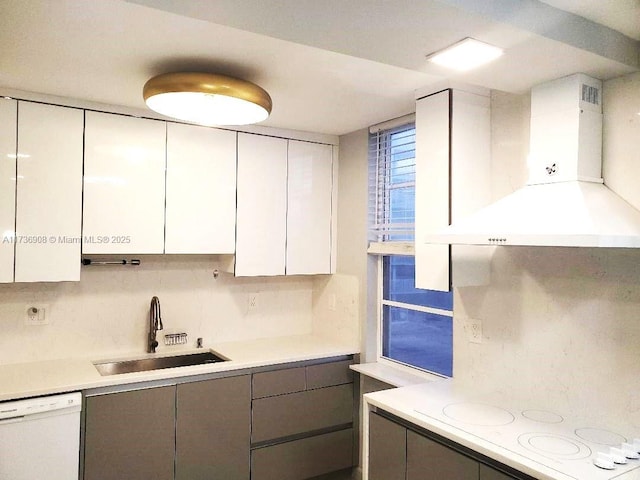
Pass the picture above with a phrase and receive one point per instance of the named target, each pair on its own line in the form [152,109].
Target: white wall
[107,311]
[561,326]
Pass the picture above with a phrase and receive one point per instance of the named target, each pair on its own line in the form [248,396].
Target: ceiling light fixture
[207,99]
[465,55]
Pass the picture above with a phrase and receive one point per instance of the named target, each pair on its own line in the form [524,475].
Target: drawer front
[296,413]
[329,374]
[305,458]
[279,382]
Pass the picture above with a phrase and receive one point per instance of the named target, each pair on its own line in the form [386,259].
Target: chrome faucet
[155,324]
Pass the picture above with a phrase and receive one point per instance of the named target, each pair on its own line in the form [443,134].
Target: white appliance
[542,443]
[40,438]
[565,202]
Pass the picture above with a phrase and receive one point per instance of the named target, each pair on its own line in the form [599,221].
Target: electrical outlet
[37,314]
[474,331]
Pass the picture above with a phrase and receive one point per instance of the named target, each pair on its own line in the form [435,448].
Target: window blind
[392,168]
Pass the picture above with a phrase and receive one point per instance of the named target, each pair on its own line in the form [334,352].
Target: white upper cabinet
[8,150]
[261,222]
[452,181]
[432,189]
[201,190]
[124,184]
[49,193]
[309,200]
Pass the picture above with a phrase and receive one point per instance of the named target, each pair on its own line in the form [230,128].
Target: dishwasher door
[40,438]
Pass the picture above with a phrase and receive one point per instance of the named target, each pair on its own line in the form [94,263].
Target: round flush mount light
[207,99]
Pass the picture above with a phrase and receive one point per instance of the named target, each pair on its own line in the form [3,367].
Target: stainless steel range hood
[565,202]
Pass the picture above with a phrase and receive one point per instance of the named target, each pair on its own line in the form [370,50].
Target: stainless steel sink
[157,363]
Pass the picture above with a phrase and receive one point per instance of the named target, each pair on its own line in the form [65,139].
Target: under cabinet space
[304,458]
[124,184]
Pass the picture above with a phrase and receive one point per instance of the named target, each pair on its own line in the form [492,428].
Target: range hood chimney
[565,202]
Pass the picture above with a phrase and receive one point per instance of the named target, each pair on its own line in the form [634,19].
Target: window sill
[398,377]
[391,248]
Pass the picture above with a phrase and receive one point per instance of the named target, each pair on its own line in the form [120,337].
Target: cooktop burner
[542,416]
[554,446]
[601,437]
[563,447]
[478,414]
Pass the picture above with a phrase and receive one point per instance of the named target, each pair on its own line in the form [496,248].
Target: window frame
[380,303]
[381,248]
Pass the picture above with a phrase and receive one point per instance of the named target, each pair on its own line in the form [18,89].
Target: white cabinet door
[452,181]
[49,193]
[262,205]
[309,189]
[201,190]
[432,189]
[124,184]
[8,150]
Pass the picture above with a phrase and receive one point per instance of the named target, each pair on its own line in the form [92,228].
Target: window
[415,326]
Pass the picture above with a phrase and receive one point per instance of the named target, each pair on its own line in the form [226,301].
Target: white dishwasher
[40,438]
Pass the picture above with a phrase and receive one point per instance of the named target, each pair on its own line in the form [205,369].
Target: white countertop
[22,380]
[422,405]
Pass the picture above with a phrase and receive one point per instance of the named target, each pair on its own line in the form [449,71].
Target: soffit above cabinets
[330,67]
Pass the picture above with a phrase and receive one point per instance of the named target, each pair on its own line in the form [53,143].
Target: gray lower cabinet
[302,422]
[387,449]
[130,435]
[190,431]
[429,460]
[399,453]
[488,473]
[213,425]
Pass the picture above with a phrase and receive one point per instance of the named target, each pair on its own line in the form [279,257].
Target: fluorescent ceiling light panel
[465,55]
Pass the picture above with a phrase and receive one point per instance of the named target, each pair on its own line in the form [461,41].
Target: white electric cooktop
[555,443]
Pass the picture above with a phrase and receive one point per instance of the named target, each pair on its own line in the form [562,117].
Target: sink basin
[157,363]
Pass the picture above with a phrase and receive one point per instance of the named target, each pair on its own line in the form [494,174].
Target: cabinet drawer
[328,374]
[268,384]
[304,458]
[295,413]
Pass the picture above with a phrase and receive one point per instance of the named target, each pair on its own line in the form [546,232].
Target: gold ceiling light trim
[207,98]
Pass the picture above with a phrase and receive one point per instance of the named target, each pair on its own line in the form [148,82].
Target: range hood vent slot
[590,94]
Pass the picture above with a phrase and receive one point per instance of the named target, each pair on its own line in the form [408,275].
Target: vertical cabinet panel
[432,189]
[201,190]
[130,435]
[49,193]
[428,460]
[262,205]
[213,429]
[309,197]
[8,150]
[452,181]
[387,449]
[124,184]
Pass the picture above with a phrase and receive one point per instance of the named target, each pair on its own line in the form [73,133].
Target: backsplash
[106,313]
[561,326]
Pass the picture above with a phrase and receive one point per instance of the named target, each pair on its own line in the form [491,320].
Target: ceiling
[331,66]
